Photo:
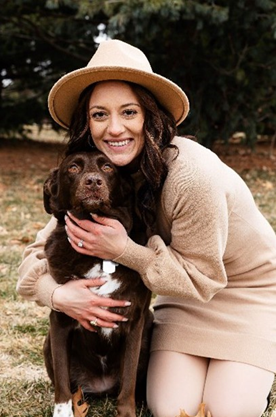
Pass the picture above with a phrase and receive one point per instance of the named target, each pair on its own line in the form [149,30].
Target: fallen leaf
[80,406]
[201,412]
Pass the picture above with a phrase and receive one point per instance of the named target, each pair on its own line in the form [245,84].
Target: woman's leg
[175,381]
[236,389]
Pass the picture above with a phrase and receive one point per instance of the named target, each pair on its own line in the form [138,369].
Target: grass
[24,386]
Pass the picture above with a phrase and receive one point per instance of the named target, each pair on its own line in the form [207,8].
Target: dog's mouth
[90,200]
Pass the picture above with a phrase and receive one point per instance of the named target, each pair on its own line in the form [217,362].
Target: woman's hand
[105,238]
[77,301]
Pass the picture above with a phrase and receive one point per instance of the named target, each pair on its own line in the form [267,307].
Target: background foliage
[221,52]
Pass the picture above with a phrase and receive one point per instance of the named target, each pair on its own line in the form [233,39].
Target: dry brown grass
[24,386]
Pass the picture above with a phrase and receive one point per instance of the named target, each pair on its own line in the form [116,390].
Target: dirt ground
[241,158]
[16,155]
[28,154]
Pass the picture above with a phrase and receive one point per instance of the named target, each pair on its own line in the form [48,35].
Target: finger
[107,324]
[86,324]
[74,231]
[110,302]
[74,238]
[89,282]
[106,221]
[80,246]
[93,282]
[104,323]
[79,241]
[76,225]
[105,316]
[100,323]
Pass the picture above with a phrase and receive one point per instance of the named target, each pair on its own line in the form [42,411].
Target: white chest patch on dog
[106,289]
[106,331]
[63,410]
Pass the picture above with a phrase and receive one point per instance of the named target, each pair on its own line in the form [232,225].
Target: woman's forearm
[34,282]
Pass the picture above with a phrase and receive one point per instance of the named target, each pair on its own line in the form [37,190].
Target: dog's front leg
[126,398]
[59,339]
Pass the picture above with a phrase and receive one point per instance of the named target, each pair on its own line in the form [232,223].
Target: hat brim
[64,95]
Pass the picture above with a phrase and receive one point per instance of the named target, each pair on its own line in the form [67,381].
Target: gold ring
[94,322]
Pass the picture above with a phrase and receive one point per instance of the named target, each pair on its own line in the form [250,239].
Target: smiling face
[116,121]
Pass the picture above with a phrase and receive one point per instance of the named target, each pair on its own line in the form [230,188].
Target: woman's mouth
[118,143]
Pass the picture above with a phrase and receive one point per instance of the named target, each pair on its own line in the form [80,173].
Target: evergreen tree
[222,53]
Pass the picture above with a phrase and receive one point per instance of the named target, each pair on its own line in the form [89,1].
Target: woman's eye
[98,115]
[74,169]
[107,168]
[130,112]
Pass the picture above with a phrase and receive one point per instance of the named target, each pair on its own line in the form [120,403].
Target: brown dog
[111,361]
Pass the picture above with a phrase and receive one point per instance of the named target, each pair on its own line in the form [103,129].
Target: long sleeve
[35,282]
[212,264]
[186,259]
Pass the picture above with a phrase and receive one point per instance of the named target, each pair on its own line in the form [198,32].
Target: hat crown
[115,60]
[115,53]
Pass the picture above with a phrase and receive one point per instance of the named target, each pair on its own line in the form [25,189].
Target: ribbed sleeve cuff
[45,287]
[136,257]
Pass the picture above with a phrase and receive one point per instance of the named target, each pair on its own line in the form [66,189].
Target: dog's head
[88,182]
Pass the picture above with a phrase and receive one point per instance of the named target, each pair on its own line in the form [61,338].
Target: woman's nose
[115,126]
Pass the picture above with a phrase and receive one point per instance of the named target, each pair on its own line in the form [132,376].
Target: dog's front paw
[63,410]
[126,410]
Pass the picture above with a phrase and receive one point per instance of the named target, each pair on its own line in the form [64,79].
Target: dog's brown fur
[85,183]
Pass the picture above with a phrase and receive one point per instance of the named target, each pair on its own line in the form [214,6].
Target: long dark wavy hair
[159,129]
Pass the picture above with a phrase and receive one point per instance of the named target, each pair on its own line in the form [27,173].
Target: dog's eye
[74,169]
[107,168]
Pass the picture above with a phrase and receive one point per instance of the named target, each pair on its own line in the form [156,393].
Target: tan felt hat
[115,60]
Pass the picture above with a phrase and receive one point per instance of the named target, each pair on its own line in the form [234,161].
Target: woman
[210,256]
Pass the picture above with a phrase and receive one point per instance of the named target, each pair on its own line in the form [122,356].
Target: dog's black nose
[93,180]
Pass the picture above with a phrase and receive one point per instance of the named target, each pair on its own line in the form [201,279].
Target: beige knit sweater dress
[212,264]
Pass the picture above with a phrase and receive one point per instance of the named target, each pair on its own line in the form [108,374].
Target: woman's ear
[50,192]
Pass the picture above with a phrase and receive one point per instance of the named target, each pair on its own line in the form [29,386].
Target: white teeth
[121,143]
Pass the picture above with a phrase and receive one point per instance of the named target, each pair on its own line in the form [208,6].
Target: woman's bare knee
[175,382]
[236,390]
[237,409]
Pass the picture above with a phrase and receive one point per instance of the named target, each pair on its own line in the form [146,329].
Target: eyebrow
[123,106]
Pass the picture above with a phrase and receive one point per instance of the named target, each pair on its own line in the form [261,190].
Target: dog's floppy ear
[50,191]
